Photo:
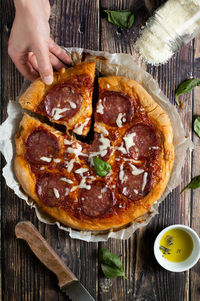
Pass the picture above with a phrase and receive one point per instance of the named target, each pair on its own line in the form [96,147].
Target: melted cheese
[72,104]
[144,180]
[81,170]
[82,185]
[57,113]
[78,129]
[66,191]
[70,165]
[135,171]
[122,149]
[46,159]
[66,180]
[129,141]
[120,119]
[56,160]
[103,148]
[100,107]
[57,195]
[122,177]
[101,128]
[67,142]
[76,151]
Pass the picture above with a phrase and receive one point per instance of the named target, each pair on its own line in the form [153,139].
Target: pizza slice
[67,101]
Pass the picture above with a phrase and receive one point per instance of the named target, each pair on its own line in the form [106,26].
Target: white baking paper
[107,64]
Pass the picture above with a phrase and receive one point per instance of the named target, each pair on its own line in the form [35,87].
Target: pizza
[131,134]
[67,101]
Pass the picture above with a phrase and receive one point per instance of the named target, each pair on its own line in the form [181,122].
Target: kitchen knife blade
[66,279]
[77,292]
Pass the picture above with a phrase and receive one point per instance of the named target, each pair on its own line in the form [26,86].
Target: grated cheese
[57,195]
[78,129]
[129,140]
[135,171]
[103,148]
[70,165]
[66,191]
[100,107]
[46,159]
[57,113]
[66,180]
[174,23]
[81,170]
[76,151]
[144,180]
[56,160]
[120,119]
[82,185]
[101,128]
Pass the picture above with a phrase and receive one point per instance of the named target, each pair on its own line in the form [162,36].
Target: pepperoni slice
[52,189]
[141,141]
[96,201]
[61,102]
[134,187]
[115,103]
[41,146]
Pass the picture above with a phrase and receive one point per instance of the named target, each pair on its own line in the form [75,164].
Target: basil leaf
[186,86]
[121,18]
[111,264]
[111,272]
[197,126]
[194,184]
[101,167]
[111,259]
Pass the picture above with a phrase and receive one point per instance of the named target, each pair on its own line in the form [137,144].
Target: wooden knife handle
[25,230]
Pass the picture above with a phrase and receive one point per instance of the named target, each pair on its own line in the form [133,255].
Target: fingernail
[48,80]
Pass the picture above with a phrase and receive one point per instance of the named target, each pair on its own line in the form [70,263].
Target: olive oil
[176,245]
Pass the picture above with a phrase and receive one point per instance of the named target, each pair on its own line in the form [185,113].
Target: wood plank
[195,204]
[26,278]
[149,281]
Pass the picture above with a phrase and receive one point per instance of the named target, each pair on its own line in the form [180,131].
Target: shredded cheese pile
[172,25]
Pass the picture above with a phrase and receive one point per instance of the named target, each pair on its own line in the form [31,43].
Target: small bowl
[182,265]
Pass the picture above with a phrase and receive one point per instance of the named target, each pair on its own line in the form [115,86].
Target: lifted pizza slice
[67,101]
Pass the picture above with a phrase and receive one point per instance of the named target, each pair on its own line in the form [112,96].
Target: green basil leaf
[111,264]
[197,126]
[121,18]
[194,184]
[186,86]
[111,259]
[101,167]
[111,272]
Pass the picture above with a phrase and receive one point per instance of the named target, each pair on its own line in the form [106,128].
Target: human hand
[30,46]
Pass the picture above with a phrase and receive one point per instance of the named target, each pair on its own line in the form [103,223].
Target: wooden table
[23,277]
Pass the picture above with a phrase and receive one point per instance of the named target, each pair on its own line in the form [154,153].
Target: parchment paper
[107,64]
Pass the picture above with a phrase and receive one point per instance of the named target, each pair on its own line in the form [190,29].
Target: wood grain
[24,278]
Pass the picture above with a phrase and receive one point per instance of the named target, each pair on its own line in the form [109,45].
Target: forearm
[32,7]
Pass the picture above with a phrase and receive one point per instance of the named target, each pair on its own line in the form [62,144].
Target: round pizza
[111,177]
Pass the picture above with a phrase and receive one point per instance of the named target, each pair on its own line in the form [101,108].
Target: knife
[67,281]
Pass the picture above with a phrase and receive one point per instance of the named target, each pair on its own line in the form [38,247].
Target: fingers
[43,61]
[24,67]
[59,52]
[56,63]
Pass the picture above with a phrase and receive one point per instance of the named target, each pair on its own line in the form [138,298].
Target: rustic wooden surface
[23,277]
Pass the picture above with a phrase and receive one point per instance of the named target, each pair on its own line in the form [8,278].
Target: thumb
[44,65]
